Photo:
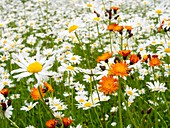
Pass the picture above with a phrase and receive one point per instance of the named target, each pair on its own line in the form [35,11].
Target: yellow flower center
[88,104]
[61,58]
[60,107]
[67,47]
[96,99]
[70,67]
[145,2]
[96,18]
[129,103]
[73,58]
[56,105]
[30,107]
[80,88]
[1,25]
[168,23]
[125,44]
[158,11]
[153,42]
[129,92]
[72,28]
[5,83]
[4,42]
[141,49]
[68,52]
[89,5]
[34,67]
[81,100]
[167,50]
[168,43]
[3,58]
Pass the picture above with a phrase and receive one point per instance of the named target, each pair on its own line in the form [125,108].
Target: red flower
[67,121]
[4,92]
[154,61]
[51,123]
[124,53]
[115,27]
[134,59]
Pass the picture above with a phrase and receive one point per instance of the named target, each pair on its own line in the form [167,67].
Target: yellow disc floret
[34,67]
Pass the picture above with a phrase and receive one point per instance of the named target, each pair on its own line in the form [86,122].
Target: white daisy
[30,126]
[37,66]
[28,106]
[8,112]
[132,93]
[160,87]
[69,68]
[56,104]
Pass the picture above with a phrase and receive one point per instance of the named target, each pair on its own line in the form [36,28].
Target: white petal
[21,65]
[46,73]
[22,60]
[49,62]
[22,75]
[18,70]
[38,55]
[43,60]
[47,67]
[8,112]
[37,77]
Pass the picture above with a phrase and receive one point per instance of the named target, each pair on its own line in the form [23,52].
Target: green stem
[91,118]
[121,42]
[128,111]
[44,104]
[99,35]
[101,125]
[12,122]
[119,104]
[155,112]
[163,95]
[40,116]
[82,48]
[110,41]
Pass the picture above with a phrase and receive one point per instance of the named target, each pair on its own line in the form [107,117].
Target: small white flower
[114,109]
[30,126]
[113,123]
[160,87]
[29,106]
[8,112]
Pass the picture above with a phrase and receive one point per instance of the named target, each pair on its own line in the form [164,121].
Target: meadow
[84,64]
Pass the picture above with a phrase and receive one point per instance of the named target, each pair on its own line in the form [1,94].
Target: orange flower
[48,86]
[104,57]
[145,58]
[129,28]
[35,93]
[119,69]
[4,92]
[124,53]
[115,8]
[154,61]
[162,24]
[67,121]
[134,59]
[108,84]
[114,27]
[51,123]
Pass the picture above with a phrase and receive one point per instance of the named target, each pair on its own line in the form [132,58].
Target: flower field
[84,64]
